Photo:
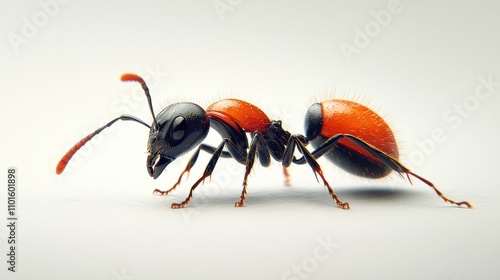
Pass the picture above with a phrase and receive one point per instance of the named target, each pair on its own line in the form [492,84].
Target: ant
[349,134]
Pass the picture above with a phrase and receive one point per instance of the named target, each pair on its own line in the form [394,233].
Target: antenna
[135,78]
[67,157]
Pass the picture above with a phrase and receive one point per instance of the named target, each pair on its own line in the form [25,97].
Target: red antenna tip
[132,78]
[59,170]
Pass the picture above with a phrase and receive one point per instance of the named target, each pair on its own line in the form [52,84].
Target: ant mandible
[333,126]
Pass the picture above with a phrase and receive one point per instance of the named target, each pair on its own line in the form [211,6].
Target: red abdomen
[348,117]
[332,117]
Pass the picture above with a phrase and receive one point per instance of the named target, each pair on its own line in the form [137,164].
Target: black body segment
[313,121]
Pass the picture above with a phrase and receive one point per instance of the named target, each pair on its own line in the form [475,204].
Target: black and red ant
[351,135]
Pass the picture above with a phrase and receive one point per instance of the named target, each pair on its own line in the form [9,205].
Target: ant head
[179,128]
[175,131]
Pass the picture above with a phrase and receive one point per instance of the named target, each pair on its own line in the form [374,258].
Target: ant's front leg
[191,163]
[217,153]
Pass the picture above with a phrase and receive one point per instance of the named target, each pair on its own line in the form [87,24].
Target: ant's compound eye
[178,128]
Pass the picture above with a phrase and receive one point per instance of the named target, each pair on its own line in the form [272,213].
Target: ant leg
[191,163]
[385,158]
[324,148]
[311,161]
[209,170]
[438,192]
[287,176]
[398,167]
[259,146]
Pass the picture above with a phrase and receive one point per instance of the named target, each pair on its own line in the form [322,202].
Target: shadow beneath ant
[315,196]
[378,192]
[318,196]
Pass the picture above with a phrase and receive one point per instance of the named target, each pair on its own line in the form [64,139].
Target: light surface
[99,219]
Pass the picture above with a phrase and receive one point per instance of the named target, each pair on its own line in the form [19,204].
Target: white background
[99,219]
